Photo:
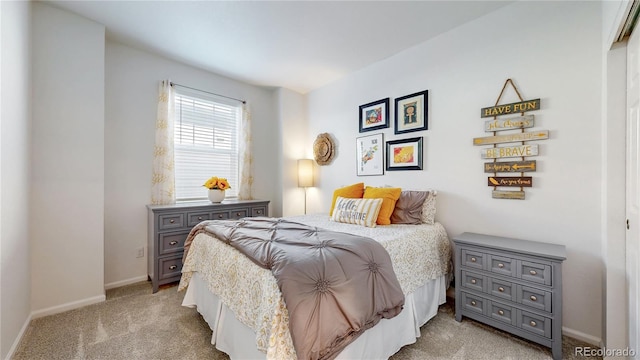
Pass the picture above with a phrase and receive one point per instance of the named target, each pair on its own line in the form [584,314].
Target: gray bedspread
[335,285]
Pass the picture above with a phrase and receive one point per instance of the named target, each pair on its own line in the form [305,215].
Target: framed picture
[405,154]
[374,115]
[370,158]
[411,112]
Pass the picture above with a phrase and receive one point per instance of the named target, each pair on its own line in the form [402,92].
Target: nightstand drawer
[258,211]
[472,281]
[501,289]
[535,272]
[170,267]
[473,303]
[502,313]
[473,259]
[502,265]
[534,324]
[535,298]
[170,221]
[171,242]
[194,218]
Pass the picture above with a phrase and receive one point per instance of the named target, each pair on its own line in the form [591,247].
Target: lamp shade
[305,172]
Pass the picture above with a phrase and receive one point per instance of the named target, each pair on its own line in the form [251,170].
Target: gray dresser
[513,285]
[169,226]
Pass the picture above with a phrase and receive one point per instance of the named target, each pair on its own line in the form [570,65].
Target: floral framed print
[411,112]
[370,157]
[405,154]
[374,115]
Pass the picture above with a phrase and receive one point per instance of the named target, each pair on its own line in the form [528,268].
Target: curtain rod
[187,87]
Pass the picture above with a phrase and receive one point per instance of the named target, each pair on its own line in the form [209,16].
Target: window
[205,143]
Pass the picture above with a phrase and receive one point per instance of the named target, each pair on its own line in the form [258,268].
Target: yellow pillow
[354,191]
[389,197]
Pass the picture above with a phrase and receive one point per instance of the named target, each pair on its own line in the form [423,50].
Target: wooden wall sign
[517,137]
[510,166]
[516,195]
[520,122]
[513,108]
[524,181]
[509,151]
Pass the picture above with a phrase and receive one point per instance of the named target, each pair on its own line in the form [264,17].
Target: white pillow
[356,211]
[429,208]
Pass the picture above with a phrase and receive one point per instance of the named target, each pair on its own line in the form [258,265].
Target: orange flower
[217,183]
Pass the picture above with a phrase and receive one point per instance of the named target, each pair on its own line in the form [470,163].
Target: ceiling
[299,45]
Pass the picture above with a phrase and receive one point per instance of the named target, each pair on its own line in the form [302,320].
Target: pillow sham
[351,191]
[356,211]
[389,197]
[429,208]
[408,208]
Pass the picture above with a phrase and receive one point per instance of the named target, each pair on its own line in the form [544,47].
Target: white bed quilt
[418,252]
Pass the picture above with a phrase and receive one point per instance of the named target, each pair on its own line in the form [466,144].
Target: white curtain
[163,180]
[246,159]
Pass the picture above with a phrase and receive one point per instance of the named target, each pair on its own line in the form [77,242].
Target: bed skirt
[380,342]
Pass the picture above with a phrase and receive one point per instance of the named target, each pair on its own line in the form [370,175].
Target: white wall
[15,103]
[292,113]
[67,182]
[553,56]
[132,78]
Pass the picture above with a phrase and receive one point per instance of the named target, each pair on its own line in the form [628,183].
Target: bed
[246,312]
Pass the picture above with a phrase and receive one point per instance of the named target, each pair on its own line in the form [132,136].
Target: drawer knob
[172,221]
[501,289]
[533,272]
[500,312]
[533,323]
[500,265]
[220,216]
[473,281]
[473,303]
[533,298]
[238,214]
[199,217]
[259,211]
[473,259]
[173,267]
[173,242]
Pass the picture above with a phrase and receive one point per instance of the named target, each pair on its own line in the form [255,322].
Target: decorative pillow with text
[356,211]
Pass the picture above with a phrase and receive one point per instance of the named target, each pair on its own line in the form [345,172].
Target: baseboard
[68,306]
[120,283]
[14,347]
[589,339]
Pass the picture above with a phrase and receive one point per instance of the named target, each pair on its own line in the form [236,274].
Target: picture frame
[411,112]
[374,115]
[404,154]
[370,155]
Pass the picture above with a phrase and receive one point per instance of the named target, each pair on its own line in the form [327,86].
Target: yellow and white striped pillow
[357,211]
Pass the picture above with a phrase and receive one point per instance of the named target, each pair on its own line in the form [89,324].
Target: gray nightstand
[169,226]
[513,285]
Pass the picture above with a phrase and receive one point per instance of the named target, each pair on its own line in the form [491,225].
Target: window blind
[205,143]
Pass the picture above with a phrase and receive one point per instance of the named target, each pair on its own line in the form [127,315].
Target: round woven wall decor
[323,149]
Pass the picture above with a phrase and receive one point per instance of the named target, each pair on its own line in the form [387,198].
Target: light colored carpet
[135,324]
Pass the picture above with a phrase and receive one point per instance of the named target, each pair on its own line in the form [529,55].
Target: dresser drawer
[534,324]
[502,265]
[170,221]
[535,272]
[220,215]
[472,281]
[473,303]
[238,213]
[473,259]
[172,242]
[258,211]
[535,298]
[502,313]
[170,267]
[194,218]
[501,289]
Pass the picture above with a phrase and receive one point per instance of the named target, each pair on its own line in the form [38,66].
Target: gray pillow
[408,208]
